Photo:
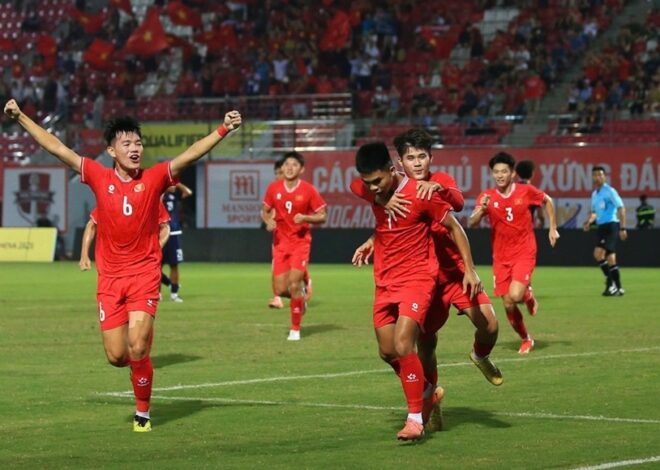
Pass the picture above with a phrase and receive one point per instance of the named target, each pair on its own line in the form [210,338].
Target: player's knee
[138,350]
[403,347]
[116,359]
[386,356]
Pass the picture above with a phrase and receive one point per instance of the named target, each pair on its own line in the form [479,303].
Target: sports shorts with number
[128,254]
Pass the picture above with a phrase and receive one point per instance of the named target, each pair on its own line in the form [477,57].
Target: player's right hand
[397,206]
[363,253]
[12,110]
[425,189]
[484,202]
[85,264]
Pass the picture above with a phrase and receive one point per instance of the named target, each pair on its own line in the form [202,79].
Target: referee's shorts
[608,234]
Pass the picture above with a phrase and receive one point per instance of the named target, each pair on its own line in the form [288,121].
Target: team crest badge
[278,196]
[299,197]
[139,187]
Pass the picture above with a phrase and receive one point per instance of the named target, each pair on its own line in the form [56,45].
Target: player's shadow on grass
[164,360]
[461,415]
[320,328]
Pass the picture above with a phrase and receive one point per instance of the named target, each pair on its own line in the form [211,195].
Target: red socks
[516,320]
[297,311]
[412,380]
[142,374]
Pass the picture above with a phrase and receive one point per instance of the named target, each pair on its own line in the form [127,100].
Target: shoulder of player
[445,179]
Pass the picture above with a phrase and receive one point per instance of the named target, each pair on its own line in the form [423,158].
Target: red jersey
[127,222]
[449,258]
[163,215]
[403,251]
[512,228]
[302,199]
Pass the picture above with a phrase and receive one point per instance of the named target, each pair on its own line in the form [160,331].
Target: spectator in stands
[380,103]
[645,214]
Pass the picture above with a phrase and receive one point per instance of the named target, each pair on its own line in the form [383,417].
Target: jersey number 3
[509,213]
[126,208]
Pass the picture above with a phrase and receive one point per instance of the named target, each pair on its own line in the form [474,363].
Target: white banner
[235,192]
[35,195]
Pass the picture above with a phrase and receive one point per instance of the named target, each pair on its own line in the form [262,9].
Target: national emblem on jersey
[139,188]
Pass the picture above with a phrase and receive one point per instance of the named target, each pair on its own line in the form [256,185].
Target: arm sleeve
[536,196]
[90,171]
[616,199]
[437,208]
[163,215]
[268,197]
[360,190]
[449,191]
[93,216]
[316,201]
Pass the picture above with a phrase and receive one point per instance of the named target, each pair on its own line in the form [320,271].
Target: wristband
[222,130]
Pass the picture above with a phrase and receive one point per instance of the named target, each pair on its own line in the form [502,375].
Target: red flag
[149,38]
[176,41]
[183,15]
[90,23]
[218,38]
[99,54]
[124,5]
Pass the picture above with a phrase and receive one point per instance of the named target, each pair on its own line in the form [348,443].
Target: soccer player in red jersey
[128,254]
[90,232]
[512,236]
[405,270]
[415,157]
[290,205]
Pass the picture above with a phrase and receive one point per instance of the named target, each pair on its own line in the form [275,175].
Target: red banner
[563,173]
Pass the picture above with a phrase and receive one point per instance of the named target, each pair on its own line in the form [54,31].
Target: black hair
[599,168]
[643,198]
[525,168]
[502,157]
[417,138]
[295,155]
[121,125]
[278,164]
[372,157]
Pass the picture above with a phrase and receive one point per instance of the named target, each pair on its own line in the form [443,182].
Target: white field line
[621,463]
[129,395]
[533,357]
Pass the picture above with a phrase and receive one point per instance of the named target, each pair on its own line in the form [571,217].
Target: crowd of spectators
[84,59]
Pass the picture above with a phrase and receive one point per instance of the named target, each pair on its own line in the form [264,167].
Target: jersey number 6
[126,208]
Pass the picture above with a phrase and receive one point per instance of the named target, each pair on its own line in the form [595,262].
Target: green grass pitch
[231,392]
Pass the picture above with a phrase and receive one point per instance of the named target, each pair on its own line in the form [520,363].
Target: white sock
[143,414]
[417,417]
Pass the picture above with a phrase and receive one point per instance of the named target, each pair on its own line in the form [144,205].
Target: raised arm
[204,145]
[471,281]
[553,234]
[88,235]
[45,139]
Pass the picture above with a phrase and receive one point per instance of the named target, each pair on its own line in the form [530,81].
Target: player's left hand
[397,206]
[471,283]
[299,218]
[553,235]
[425,189]
[623,234]
[11,109]
[233,120]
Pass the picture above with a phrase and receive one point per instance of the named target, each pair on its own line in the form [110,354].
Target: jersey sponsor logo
[412,377]
[278,196]
[150,302]
[139,187]
[143,382]
[414,306]
[496,204]
[111,189]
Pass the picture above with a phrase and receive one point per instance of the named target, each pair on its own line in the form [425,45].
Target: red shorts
[116,296]
[409,300]
[504,273]
[290,256]
[451,293]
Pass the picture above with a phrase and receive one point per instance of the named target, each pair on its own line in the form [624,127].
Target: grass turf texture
[330,402]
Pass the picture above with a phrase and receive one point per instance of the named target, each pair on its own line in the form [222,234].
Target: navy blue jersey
[171,201]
